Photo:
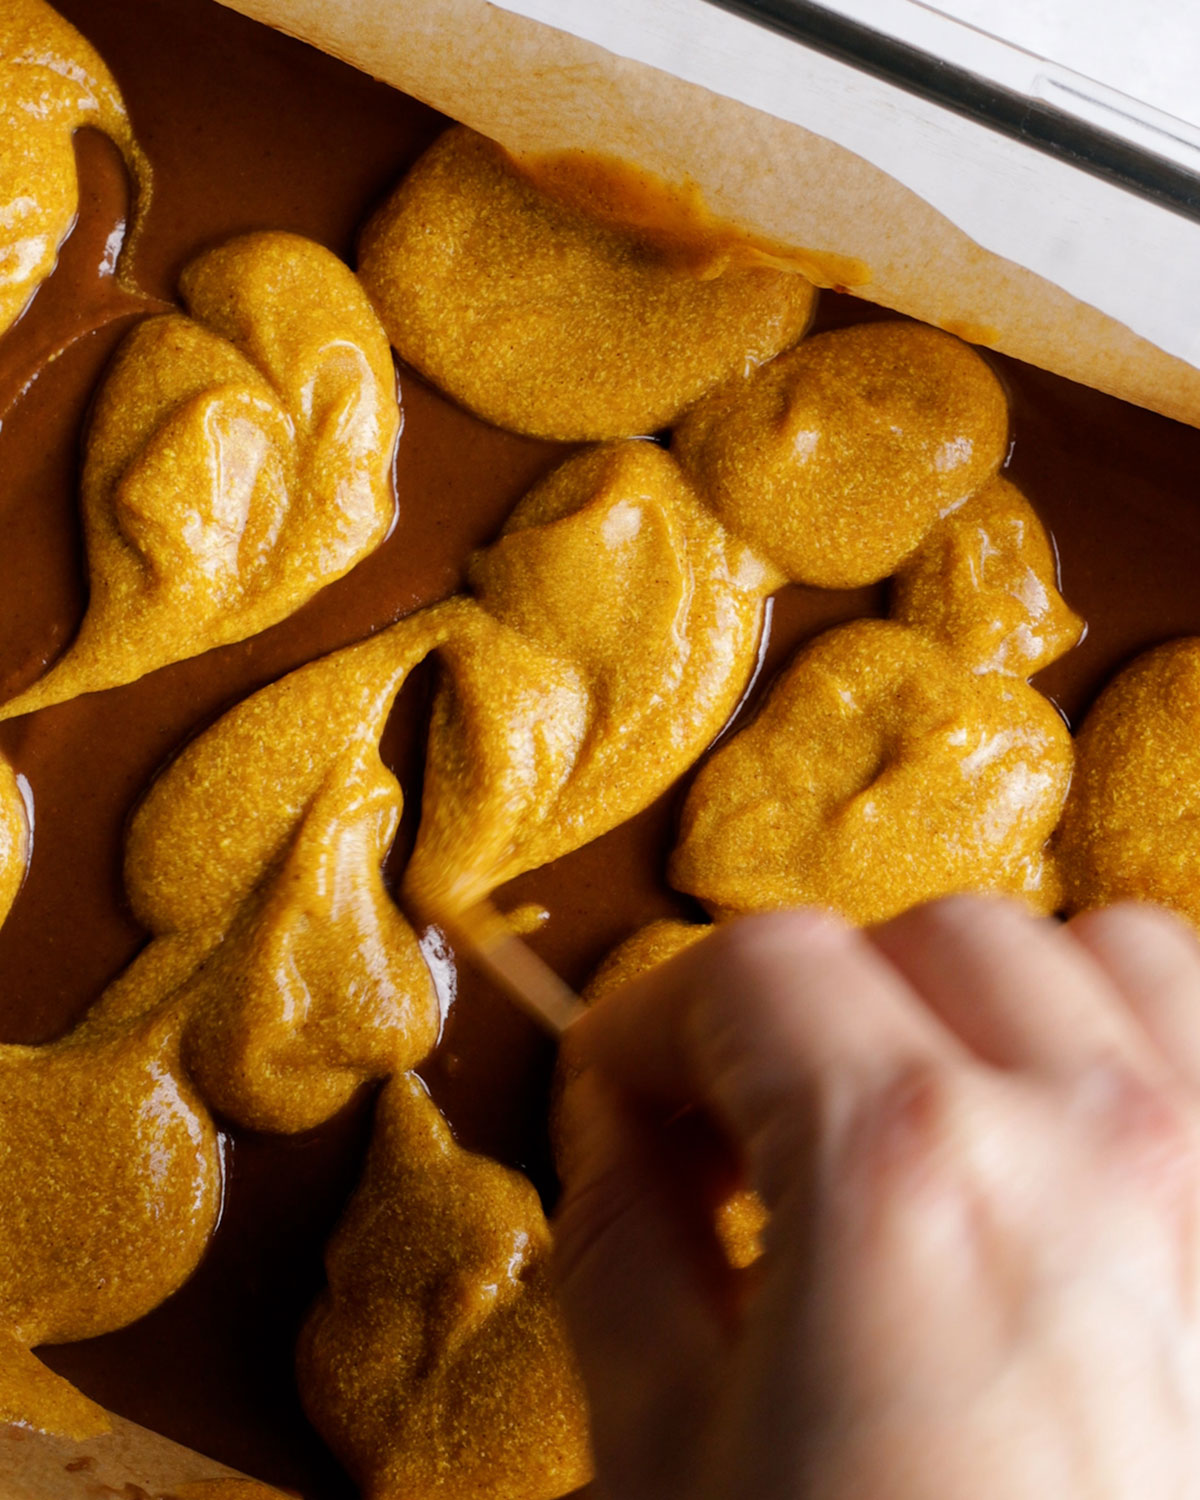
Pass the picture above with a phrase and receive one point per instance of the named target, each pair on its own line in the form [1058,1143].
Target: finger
[1013,987]
[769,1022]
[646,1292]
[1153,960]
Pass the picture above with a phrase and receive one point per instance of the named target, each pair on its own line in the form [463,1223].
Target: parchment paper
[536,90]
[127,1463]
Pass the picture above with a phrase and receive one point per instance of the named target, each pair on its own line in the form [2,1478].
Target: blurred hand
[978,1136]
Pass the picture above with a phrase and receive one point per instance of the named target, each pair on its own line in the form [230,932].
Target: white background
[1147,48]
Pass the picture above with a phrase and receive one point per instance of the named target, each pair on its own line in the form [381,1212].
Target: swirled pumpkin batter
[880,773]
[835,459]
[1131,829]
[984,583]
[741,1219]
[437,1363]
[238,460]
[485,284]
[110,1178]
[613,629]
[611,569]
[52,82]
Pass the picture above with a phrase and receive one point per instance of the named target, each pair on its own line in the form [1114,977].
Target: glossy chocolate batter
[248,130]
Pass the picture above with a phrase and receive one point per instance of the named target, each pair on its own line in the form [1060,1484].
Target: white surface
[1099,82]
[1114,250]
[1149,49]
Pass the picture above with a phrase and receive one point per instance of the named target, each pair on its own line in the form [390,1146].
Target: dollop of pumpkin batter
[880,773]
[52,82]
[110,1189]
[15,837]
[741,1218]
[548,321]
[238,460]
[255,860]
[437,1363]
[984,583]
[622,626]
[1131,830]
[835,459]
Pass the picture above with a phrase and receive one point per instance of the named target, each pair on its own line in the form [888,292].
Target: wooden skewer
[513,964]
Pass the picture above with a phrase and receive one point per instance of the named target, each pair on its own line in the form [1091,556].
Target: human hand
[978,1136]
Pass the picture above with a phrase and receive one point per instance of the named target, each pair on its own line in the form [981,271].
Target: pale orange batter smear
[437,1363]
[1131,830]
[546,320]
[52,82]
[226,1489]
[238,460]
[674,219]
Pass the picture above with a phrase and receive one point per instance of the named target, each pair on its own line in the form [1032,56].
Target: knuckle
[1146,1126]
[910,1133]
[909,1188]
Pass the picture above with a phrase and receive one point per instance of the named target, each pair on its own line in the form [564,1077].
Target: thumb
[645,1289]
